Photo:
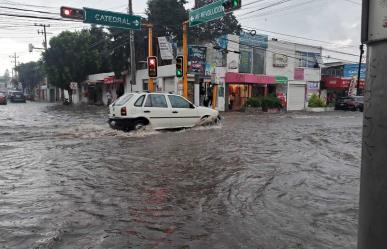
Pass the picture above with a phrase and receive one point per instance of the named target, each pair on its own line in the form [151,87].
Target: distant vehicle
[355,103]
[135,111]
[3,98]
[17,97]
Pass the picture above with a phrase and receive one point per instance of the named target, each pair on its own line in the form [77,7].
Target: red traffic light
[72,13]
[152,66]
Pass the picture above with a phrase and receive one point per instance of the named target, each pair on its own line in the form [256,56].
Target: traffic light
[72,13]
[152,66]
[231,5]
[179,66]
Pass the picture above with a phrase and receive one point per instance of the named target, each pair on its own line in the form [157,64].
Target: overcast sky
[336,22]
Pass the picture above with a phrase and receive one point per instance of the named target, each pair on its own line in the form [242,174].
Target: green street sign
[206,13]
[112,19]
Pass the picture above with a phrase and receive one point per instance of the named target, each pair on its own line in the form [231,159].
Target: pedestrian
[109,98]
[231,101]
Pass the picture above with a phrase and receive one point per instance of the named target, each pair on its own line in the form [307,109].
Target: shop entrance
[238,94]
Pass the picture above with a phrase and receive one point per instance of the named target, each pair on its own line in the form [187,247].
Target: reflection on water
[256,181]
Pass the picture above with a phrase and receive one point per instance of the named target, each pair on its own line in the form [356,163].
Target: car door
[184,113]
[158,112]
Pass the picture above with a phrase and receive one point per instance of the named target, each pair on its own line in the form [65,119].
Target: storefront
[339,87]
[240,87]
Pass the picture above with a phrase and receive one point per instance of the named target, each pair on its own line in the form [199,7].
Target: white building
[300,64]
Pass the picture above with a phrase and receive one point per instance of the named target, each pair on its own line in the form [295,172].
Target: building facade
[300,64]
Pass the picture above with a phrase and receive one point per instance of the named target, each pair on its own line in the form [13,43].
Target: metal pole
[132,53]
[185,59]
[359,70]
[45,37]
[373,191]
[150,53]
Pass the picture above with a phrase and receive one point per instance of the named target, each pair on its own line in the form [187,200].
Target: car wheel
[139,125]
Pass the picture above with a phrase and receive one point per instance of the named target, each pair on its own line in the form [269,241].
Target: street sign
[206,13]
[112,19]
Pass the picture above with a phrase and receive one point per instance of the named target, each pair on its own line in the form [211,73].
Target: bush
[271,102]
[316,101]
[254,102]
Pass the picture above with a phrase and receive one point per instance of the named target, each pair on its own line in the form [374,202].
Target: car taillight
[123,111]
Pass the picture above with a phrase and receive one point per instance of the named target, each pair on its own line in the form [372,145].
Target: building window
[308,59]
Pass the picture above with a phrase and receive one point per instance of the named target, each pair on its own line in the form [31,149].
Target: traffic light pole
[185,59]
[150,53]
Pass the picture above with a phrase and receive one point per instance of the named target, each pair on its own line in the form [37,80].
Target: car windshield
[123,100]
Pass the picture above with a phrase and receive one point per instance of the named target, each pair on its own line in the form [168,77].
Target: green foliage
[316,101]
[71,57]
[271,102]
[266,102]
[167,16]
[30,74]
[254,102]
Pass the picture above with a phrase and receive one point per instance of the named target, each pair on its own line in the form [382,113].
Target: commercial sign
[206,13]
[197,59]
[280,60]
[351,70]
[73,85]
[112,19]
[259,41]
[166,50]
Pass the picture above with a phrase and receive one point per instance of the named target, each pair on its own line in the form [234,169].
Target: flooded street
[287,181]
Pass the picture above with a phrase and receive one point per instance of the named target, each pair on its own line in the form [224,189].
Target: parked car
[350,103]
[17,97]
[3,98]
[135,111]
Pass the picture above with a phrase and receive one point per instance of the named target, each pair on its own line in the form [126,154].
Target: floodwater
[287,181]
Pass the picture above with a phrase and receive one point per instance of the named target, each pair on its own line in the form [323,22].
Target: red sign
[339,83]
[299,74]
[249,78]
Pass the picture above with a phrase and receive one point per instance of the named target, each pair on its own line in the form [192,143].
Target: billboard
[197,59]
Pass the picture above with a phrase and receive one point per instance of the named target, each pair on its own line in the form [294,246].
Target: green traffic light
[235,3]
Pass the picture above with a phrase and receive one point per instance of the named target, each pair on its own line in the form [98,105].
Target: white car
[135,111]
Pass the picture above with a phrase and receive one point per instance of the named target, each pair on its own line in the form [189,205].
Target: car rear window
[123,100]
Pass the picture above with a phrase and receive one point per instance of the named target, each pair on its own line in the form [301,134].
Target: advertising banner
[197,59]
[166,51]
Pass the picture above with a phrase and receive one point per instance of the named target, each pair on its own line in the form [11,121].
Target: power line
[38,17]
[294,36]
[350,1]
[280,51]
[266,7]
[35,11]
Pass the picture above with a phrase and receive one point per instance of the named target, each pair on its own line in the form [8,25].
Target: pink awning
[249,78]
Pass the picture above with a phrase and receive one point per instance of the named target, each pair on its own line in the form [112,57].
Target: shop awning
[339,83]
[250,78]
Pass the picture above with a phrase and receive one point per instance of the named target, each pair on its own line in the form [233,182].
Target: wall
[289,49]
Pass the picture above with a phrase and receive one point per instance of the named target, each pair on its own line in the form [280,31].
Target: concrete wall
[289,49]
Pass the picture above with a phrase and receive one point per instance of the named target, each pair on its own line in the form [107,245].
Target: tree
[208,32]
[71,58]
[167,16]
[30,74]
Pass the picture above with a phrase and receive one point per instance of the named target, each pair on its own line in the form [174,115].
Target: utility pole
[132,52]
[44,32]
[373,183]
[359,70]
